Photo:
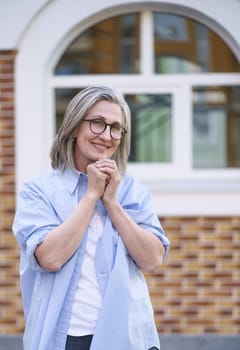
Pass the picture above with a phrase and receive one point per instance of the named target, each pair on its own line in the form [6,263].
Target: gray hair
[62,151]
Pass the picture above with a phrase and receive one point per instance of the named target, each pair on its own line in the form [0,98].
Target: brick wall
[10,305]
[198,288]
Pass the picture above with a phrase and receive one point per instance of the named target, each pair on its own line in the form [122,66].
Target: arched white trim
[44,40]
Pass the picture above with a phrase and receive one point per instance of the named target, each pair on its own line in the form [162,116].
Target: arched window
[177,75]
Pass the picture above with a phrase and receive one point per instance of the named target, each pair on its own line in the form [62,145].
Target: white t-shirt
[87,300]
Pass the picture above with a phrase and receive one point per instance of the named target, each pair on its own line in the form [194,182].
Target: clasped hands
[103,178]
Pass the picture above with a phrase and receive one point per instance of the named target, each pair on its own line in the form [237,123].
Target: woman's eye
[98,123]
[116,128]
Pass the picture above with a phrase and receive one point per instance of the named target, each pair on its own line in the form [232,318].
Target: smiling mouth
[100,147]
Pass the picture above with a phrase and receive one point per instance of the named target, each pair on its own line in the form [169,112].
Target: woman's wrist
[111,204]
[91,197]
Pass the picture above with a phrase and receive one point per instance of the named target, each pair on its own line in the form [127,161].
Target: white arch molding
[42,43]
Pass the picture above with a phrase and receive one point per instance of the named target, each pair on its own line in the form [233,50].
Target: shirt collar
[71,178]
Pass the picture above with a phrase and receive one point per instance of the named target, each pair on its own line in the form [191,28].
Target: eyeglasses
[98,126]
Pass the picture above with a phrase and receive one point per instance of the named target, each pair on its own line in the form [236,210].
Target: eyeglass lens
[98,126]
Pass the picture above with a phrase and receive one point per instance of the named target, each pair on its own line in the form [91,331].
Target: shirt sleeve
[137,201]
[34,218]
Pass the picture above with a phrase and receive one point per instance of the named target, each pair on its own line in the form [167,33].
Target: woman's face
[90,147]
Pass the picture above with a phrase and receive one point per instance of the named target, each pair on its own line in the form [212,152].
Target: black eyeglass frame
[123,130]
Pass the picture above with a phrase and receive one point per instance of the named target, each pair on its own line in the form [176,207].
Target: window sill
[196,193]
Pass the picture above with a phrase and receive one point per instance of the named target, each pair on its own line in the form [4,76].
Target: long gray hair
[62,151]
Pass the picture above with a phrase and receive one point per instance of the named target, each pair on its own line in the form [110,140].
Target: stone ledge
[200,342]
[168,342]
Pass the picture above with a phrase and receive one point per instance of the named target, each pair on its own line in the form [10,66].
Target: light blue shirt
[126,320]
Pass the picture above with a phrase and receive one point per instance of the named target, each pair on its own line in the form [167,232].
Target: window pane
[111,46]
[62,99]
[216,127]
[183,45]
[151,127]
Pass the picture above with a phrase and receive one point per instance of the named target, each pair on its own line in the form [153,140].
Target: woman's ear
[75,135]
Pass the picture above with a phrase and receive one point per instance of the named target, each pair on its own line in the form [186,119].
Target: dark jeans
[78,343]
[84,342]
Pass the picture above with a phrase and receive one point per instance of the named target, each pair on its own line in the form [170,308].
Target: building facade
[177,62]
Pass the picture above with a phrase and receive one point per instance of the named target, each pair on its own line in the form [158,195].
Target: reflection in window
[183,45]
[110,46]
[216,127]
[151,127]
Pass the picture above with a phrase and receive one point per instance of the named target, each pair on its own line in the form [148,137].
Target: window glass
[62,99]
[151,127]
[216,127]
[182,45]
[110,46]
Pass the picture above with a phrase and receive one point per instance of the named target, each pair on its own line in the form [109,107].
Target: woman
[86,231]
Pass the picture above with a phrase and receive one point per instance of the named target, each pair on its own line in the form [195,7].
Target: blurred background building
[178,64]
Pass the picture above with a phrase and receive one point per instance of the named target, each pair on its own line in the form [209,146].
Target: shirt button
[102,274]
